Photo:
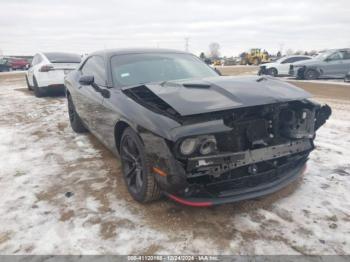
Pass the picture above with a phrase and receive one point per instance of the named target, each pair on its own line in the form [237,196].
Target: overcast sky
[28,26]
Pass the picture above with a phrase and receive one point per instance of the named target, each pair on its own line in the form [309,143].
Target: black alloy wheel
[133,172]
[272,72]
[140,182]
[311,74]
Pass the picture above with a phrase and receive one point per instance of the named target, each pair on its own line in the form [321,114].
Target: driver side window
[335,56]
[95,66]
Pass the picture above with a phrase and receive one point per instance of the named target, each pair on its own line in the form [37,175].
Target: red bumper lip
[189,203]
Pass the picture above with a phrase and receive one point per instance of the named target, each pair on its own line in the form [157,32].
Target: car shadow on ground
[48,94]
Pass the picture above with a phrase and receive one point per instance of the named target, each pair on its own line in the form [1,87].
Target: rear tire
[75,120]
[140,182]
[311,74]
[37,91]
[272,71]
[28,85]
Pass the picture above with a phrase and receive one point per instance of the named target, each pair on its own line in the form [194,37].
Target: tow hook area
[322,115]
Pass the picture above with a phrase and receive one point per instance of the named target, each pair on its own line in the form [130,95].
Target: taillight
[46,68]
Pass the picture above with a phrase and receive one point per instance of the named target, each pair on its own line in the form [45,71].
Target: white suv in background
[281,66]
[47,71]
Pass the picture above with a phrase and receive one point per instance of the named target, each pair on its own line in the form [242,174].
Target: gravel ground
[62,193]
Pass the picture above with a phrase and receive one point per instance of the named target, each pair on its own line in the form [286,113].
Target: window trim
[104,66]
[116,85]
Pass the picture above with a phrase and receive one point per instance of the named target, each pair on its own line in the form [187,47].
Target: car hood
[269,64]
[197,96]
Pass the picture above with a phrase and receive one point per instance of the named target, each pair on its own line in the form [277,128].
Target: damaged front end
[230,155]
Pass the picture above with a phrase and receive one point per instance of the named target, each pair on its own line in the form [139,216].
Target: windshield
[323,56]
[63,57]
[134,69]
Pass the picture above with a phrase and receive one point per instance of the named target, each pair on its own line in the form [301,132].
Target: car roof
[124,51]
[335,50]
[288,56]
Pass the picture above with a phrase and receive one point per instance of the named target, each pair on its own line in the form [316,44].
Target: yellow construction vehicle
[254,57]
[217,63]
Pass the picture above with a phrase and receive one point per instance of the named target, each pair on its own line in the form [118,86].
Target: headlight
[207,145]
[204,144]
[188,146]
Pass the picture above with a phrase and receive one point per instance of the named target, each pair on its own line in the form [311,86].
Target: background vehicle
[181,129]
[18,63]
[47,71]
[329,64]
[4,65]
[347,77]
[254,57]
[282,65]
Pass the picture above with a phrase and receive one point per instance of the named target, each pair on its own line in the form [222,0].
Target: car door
[346,62]
[283,68]
[89,100]
[332,65]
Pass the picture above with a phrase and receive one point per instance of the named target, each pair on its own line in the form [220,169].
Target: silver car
[329,64]
[347,77]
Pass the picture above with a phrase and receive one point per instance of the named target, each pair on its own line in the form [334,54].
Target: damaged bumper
[254,157]
[226,178]
[284,177]
[243,175]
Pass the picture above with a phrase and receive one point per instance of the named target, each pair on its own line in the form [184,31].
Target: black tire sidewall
[76,123]
[272,71]
[314,74]
[142,195]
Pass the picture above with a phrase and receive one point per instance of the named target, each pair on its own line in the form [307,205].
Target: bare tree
[214,52]
[289,51]
[313,52]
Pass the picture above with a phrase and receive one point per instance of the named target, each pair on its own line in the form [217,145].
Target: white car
[47,71]
[281,66]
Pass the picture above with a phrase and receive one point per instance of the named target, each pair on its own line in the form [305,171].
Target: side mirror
[86,80]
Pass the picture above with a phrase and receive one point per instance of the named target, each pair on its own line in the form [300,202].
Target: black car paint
[106,116]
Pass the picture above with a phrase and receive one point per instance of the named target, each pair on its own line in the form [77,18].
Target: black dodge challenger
[182,130]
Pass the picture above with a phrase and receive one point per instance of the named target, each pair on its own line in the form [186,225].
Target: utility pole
[187,39]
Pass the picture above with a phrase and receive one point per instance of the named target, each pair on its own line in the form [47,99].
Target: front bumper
[225,178]
[284,178]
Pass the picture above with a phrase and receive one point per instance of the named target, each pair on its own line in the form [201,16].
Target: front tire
[140,182]
[272,72]
[311,74]
[75,120]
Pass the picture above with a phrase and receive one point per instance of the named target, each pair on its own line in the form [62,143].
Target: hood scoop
[145,97]
[196,85]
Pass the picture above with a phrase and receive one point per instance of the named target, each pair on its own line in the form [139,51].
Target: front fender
[160,157]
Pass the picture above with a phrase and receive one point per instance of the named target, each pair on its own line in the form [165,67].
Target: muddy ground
[62,193]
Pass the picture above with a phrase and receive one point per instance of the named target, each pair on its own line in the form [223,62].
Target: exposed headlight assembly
[188,146]
[204,144]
